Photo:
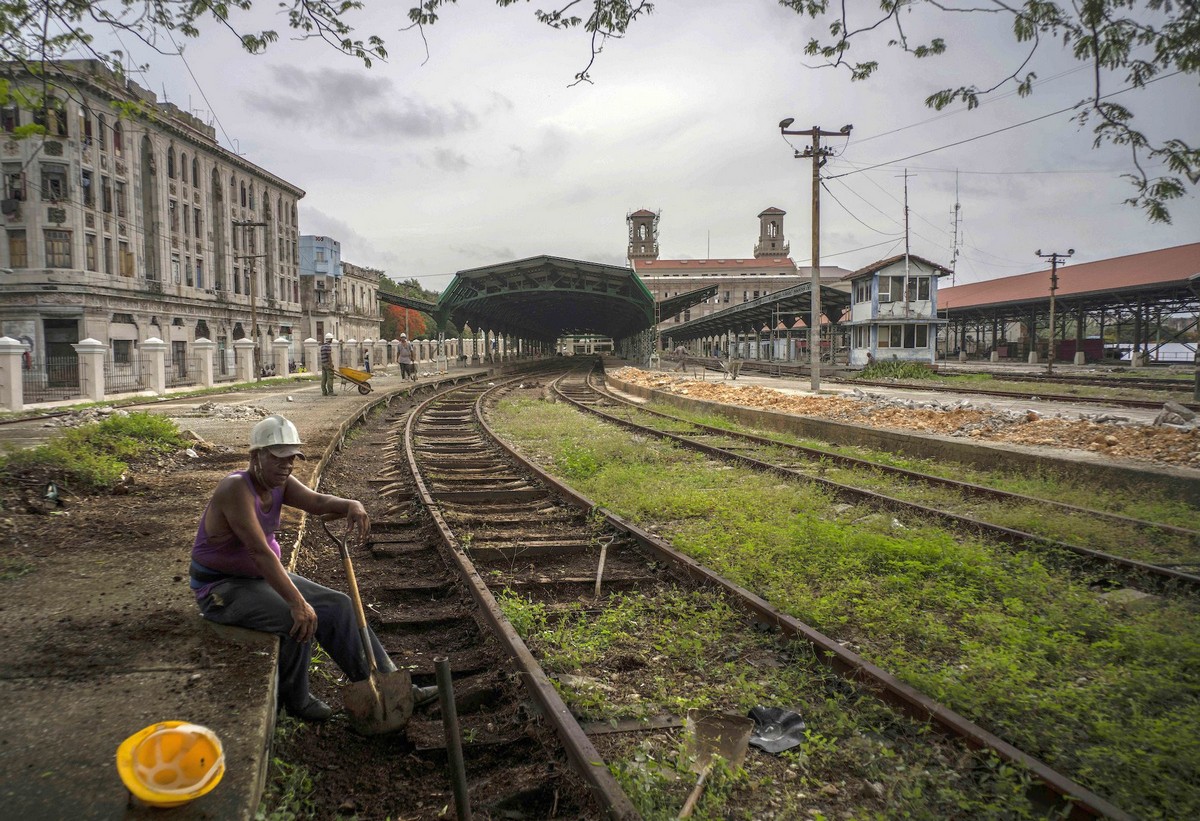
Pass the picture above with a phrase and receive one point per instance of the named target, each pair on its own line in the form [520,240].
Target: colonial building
[736,280]
[320,273]
[893,310]
[126,220]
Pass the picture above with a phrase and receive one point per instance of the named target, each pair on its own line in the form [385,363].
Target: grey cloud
[448,160]
[356,248]
[355,104]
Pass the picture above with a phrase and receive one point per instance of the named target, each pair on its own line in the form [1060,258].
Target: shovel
[714,734]
[384,701]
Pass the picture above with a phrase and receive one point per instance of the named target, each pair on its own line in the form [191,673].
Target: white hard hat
[404,336]
[278,435]
[328,337]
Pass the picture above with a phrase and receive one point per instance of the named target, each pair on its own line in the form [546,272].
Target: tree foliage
[418,324]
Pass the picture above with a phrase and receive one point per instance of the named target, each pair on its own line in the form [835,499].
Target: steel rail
[940,481]
[583,755]
[1079,802]
[1162,576]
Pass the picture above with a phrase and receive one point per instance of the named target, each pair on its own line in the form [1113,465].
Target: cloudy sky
[482,151]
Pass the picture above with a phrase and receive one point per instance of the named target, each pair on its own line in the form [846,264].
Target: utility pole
[1055,258]
[248,227]
[818,156]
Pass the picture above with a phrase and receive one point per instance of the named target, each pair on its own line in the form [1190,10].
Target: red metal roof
[1168,265]
[697,265]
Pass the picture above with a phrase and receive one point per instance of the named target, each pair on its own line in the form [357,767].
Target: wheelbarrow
[353,376]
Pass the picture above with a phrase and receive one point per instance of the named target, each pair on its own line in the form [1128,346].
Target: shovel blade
[716,733]
[381,704]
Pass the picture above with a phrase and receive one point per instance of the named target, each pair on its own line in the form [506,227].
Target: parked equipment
[383,702]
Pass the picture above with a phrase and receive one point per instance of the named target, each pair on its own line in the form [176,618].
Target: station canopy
[543,298]
[789,306]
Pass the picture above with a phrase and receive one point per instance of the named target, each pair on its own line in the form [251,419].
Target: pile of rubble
[87,416]
[1173,439]
[231,412]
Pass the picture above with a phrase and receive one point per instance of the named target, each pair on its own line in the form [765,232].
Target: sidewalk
[102,636]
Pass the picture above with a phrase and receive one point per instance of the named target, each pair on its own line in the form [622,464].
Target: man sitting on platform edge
[238,577]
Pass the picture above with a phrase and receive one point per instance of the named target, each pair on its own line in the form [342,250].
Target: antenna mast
[957,217]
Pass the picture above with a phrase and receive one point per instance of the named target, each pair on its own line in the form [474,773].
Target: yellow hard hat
[171,763]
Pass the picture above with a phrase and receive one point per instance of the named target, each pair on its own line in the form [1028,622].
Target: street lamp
[1054,258]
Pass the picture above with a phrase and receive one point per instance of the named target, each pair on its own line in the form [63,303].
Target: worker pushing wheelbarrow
[353,376]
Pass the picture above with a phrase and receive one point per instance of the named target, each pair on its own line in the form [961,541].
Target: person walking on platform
[404,355]
[238,579]
[681,352]
[326,357]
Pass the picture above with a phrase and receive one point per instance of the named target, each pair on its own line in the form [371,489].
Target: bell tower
[770,235]
[643,235]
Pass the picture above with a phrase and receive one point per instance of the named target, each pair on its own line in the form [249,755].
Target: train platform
[68,700]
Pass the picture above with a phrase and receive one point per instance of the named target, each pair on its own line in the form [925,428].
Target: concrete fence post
[349,353]
[279,354]
[244,349]
[312,355]
[381,352]
[1080,358]
[207,350]
[1033,358]
[12,376]
[154,364]
[91,368]
[335,354]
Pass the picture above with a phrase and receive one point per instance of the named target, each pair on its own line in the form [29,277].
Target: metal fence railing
[183,372]
[51,379]
[124,376]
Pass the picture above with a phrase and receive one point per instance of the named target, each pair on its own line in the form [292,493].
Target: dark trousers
[327,381]
[254,604]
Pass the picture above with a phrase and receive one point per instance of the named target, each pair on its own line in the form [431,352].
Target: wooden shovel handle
[689,806]
[359,613]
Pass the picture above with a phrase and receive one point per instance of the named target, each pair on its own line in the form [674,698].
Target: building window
[187,272]
[195,171]
[54,182]
[196,222]
[108,260]
[120,195]
[18,251]
[89,246]
[118,140]
[85,117]
[101,128]
[172,215]
[251,197]
[171,163]
[122,351]
[126,258]
[10,117]
[183,168]
[918,288]
[243,195]
[106,196]
[237,280]
[903,336]
[175,271]
[14,182]
[89,190]
[53,118]
[58,249]
[199,273]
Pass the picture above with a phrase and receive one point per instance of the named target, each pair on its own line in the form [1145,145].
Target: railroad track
[463,526]
[1179,546]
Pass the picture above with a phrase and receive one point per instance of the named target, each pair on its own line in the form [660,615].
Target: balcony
[761,248]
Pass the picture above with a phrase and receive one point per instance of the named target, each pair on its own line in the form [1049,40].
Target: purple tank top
[229,555]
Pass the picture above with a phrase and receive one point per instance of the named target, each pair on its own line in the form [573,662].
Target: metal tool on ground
[458,770]
[713,734]
[353,376]
[383,702]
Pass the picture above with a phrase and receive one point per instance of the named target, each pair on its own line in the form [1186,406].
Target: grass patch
[288,793]
[96,455]
[1108,695]
[896,369]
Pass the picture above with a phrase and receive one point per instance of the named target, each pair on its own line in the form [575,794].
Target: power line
[1000,130]
[179,52]
[855,216]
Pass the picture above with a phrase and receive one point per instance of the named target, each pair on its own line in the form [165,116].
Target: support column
[349,352]
[244,352]
[279,351]
[335,353]
[91,368]
[154,364]
[312,355]
[207,350]
[12,374]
